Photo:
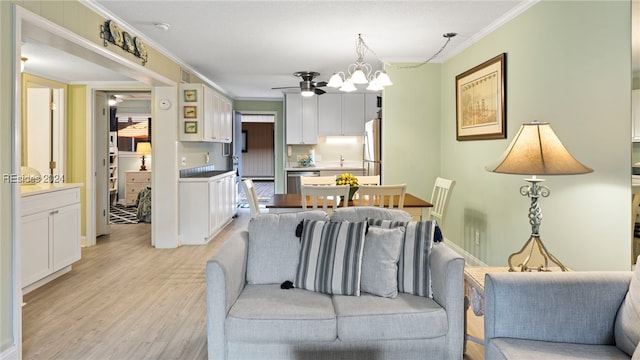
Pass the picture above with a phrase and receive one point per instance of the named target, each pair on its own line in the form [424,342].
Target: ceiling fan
[308,87]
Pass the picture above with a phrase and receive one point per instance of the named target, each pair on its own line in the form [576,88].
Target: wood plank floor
[127,300]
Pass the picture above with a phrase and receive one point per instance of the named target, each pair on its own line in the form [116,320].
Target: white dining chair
[317,180]
[440,199]
[368,180]
[322,196]
[379,195]
[252,197]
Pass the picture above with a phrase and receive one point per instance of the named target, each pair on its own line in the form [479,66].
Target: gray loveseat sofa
[249,315]
[562,316]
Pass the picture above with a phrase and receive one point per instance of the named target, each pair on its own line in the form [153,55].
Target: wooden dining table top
[292,201]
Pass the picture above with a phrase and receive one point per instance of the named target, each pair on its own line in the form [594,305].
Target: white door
[101,141]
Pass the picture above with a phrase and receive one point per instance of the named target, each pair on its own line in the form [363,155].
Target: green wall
[562,67]
[277,106]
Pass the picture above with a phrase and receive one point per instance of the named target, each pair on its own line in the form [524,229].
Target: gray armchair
[573,315]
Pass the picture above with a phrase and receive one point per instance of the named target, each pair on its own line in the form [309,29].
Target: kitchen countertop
[201,173]
[41,188]
[348,166]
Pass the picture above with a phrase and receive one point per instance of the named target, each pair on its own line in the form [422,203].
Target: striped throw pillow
[414,276]
[331,257]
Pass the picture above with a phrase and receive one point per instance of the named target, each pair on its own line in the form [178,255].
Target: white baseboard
[468,258]
[10,353]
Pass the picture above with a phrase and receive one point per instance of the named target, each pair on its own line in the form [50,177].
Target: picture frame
[190,127]
[244,141]
[481,101]
[190,95]
[190,112]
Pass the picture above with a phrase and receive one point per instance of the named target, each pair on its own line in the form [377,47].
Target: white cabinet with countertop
[301,119]
[207,204]
[50,239]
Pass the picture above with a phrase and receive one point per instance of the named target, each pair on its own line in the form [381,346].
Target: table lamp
[143,148]
[536,150]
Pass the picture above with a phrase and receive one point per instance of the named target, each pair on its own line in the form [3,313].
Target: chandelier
[359,73]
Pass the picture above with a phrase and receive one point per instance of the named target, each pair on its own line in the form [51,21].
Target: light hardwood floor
[127,300]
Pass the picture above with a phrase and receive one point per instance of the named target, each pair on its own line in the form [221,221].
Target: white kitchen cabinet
[50,238]
[205,114]
[206,206]
[301,114]
[341,114]
[635,110]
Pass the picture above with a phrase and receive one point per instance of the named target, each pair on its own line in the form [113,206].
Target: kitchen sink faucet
[341,161]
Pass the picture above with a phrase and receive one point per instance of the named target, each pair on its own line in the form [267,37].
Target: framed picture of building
[481,102]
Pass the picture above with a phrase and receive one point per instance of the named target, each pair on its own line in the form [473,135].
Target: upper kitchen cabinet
[301,114]
[205,115]
[345,114]
[635,108]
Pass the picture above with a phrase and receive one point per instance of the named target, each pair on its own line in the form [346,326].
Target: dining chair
[318,180]
[440,199]
[252,197]
[368,180]
[372,195]
[324,195]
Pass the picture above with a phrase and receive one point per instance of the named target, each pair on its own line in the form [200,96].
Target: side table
[474,292]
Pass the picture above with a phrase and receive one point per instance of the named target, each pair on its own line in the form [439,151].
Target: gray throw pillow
[414,275]
[627,331]
[274,248]
[331,257]
[380,261]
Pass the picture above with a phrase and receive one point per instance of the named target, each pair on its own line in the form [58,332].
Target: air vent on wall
[184,76]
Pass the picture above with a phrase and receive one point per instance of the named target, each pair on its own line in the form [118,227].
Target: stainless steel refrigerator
[372,140]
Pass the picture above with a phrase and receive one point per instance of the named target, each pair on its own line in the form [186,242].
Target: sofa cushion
[362,213]
[627,330]
[519,349]
[370,317]
[268,313]
[331,257]
[414,276]
[274,248]
[380,261]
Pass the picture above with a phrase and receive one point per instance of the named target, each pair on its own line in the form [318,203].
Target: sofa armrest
[225,278]
[572,307]
[447,283]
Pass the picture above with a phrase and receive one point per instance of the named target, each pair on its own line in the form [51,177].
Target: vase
[352,191]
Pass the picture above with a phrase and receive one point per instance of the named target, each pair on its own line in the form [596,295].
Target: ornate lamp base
[533,257]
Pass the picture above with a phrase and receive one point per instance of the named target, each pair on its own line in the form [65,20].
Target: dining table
[282,203]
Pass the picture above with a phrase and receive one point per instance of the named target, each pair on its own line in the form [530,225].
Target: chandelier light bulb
[348,86]
[358,77]
[335,81]
[383,79]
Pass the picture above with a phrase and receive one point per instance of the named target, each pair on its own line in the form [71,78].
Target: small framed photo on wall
[190,127]
[190,112]
[190,95]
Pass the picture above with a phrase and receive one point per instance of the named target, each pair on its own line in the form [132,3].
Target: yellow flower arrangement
[347,179]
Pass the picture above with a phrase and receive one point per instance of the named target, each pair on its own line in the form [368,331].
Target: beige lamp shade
[143,148]
[536,150]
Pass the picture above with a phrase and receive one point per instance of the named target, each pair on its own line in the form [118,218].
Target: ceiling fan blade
[321,83]
[285,87]
[319,91]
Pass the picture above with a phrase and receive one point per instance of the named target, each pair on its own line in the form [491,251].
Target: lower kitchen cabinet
[206,206]
[50,240]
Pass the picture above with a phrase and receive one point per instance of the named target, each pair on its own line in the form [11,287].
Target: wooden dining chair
[379,195]
[318,180]
[440,199]
[324,196]
[368,180]
[252,197]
